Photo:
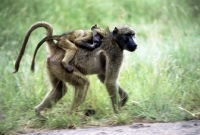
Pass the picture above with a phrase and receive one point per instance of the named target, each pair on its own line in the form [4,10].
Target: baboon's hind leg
[58,91]
[81,85]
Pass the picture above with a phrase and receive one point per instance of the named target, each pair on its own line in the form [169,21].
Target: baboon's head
[97,30]
[125,36]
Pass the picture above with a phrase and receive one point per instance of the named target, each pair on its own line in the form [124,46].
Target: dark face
[126,41]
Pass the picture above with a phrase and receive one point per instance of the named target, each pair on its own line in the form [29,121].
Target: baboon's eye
[130,34]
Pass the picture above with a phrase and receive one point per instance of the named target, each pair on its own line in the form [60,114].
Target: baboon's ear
[94,27]
[115,30]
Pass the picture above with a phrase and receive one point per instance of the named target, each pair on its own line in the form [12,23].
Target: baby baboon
[80,38]
[105,61]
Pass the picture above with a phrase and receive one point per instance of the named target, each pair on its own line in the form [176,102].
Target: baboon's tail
[49,30]
[47,39]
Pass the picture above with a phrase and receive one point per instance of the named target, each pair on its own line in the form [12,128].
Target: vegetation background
[162,77]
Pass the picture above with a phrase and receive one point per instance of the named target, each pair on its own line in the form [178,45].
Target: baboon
[105,61]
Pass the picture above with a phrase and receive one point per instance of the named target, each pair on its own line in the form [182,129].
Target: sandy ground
[178,128]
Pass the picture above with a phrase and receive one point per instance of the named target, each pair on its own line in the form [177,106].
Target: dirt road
[177,128]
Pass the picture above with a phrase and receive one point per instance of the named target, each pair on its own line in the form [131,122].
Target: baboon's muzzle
[132,48]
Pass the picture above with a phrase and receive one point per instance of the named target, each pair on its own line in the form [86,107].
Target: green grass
[161,76]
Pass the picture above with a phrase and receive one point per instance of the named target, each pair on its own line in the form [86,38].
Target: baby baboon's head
[97,30]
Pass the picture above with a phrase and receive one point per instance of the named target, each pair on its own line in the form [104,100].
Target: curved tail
[45,39]
[49,30]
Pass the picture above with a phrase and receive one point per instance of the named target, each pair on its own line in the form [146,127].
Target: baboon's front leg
[123,95]
[112,89]
[58,91]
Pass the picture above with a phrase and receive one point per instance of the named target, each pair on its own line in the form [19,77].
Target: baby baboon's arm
[83,42]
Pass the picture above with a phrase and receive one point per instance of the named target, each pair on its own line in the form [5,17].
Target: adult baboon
[105,61]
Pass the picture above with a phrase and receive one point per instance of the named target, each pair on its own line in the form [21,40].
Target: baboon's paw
[37,112]
[89,112]
[68,68]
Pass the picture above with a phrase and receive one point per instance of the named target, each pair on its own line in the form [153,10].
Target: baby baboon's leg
[70,50]
[67,58]
[58,91]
